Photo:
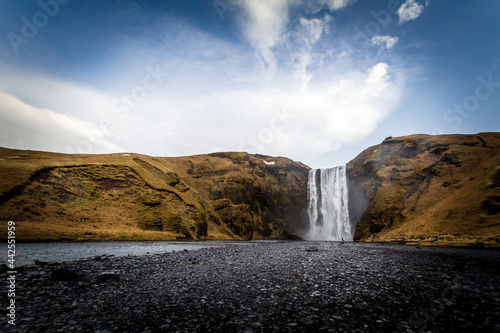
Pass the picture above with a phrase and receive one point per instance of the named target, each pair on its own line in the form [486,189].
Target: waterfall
[327,207]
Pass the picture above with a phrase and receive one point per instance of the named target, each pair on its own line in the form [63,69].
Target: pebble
[268,287]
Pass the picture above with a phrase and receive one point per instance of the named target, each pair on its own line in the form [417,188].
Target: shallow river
[68,251]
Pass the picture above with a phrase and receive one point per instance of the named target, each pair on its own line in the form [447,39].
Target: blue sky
[315,80]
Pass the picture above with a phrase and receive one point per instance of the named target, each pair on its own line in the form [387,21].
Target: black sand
[266,287]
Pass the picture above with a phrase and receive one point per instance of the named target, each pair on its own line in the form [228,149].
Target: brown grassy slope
[115,197]
[428,190]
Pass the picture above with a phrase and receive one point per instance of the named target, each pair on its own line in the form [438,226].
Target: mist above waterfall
[328,205]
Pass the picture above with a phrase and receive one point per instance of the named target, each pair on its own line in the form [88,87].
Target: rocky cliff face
[417,189]
[428,190]
[129,196]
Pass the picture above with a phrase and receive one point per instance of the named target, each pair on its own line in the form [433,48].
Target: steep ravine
[433,190]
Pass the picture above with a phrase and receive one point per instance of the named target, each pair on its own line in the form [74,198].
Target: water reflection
[51,252]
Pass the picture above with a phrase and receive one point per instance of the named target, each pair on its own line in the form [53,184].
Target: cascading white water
[327,208]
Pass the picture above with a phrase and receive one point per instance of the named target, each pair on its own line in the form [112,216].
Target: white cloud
[410,10]
[344,108]
[64,97]
[385,42]
[336,4]
[298,123]
[343,111]
[265,26]
[26,127]
[310,31]
[214,97]
[306,35]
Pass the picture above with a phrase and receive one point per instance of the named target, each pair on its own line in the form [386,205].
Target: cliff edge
[431,190]
[136,197]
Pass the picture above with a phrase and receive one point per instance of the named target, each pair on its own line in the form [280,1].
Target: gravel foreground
[264,287]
